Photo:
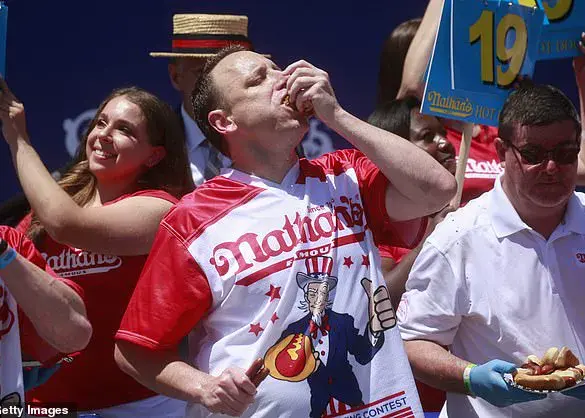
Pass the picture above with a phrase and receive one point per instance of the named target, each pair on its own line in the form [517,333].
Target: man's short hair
[536,105]
[206,97]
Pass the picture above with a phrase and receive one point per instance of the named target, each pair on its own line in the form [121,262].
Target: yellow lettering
[559,11]
[513,56]
[483,30]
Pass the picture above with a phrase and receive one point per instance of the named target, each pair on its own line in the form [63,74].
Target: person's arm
[164,372]
[396,275]
[419,185]
[172,296]
[579,67]
[56,311]
[124,228]
[435,366]
[419,52]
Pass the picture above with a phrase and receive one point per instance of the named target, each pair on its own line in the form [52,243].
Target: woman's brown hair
[392,59]
[172,174]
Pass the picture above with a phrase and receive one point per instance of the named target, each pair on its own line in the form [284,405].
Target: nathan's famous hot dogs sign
[483,46]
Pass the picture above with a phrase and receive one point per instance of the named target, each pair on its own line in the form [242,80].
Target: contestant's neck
[262,163]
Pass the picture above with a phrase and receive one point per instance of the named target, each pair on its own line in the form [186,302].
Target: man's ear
[501,149]
[174,76]
[221,121]
[158,153]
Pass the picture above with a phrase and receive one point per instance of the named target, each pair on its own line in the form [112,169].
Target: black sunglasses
[535,154]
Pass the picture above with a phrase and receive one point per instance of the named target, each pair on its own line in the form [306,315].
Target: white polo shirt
[490,287]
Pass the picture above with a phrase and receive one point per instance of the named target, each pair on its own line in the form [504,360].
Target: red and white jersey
[283,272]
[483,164]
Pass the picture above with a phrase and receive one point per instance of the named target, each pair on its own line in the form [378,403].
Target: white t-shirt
[243,259]
[490,287]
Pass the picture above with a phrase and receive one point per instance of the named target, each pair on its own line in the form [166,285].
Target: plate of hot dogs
[557,370]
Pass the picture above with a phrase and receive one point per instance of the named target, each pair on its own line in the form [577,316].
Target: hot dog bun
[534,359]
[550,356]
[557,369]
[541,382]
[566,358]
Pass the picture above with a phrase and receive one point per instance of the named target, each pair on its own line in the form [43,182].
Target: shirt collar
[193,134]
[506,221]
[575,215]
[247,178]
[504,218]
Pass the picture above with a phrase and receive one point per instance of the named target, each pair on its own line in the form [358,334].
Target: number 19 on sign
[510,59]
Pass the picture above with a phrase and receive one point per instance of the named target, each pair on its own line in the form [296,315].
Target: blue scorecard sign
[3,27]
[482,46]
[563,27]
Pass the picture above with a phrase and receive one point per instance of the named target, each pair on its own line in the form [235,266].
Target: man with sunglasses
[502,278]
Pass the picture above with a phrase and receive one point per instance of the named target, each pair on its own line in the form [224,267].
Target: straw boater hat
[202,35]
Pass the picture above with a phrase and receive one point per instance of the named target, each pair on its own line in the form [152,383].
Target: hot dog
[540,382]
[558,369]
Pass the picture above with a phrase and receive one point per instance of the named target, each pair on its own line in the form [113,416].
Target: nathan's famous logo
[449,105]
[78,262]
[250,248]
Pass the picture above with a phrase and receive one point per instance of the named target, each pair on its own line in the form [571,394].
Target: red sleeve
[160,194]
[32,345]
[170,298]
[373,185]
[395,253]
[24,223]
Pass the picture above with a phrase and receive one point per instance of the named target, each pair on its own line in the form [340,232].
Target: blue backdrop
[64,57]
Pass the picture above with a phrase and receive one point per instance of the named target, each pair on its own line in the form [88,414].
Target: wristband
[467,378]
[7,257]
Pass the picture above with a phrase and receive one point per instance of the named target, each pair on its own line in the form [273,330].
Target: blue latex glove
[36,376]
[487,382]
[578,392]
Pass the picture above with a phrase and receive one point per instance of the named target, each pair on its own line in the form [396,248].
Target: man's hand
[310,90]
[11,114]
[229,393]
[488,383]
[382,316]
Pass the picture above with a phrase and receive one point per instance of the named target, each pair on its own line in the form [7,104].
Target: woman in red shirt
[96,227]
